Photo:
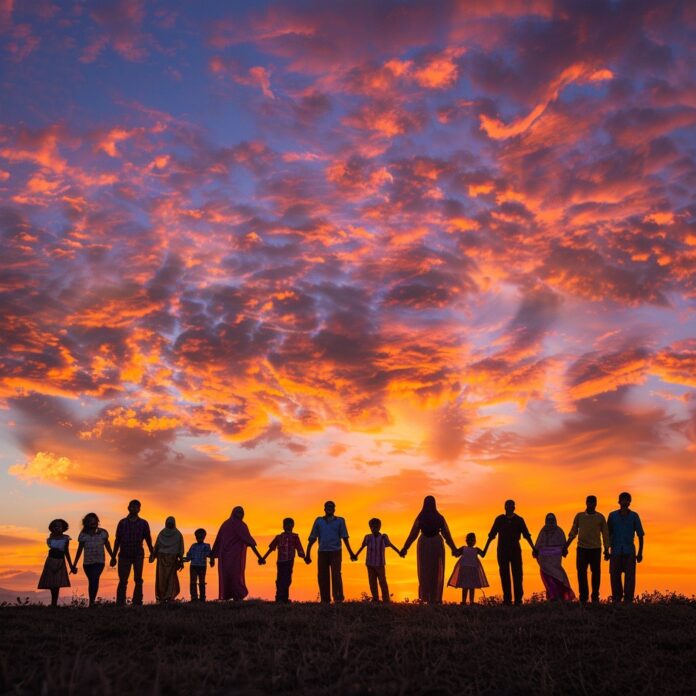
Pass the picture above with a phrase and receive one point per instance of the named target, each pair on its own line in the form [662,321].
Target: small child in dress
[468,572]
[55,573]
[197,555]
[376,544]
[287,544]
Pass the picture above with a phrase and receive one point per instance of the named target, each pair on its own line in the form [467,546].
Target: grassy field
[356,648]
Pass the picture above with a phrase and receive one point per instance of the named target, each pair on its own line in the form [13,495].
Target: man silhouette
[130,534]
[623,525]
[330,531]
[590,528]
[509,528]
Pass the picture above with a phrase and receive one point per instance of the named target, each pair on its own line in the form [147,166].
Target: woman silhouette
[432,527]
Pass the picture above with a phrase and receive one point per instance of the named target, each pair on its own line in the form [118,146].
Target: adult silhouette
[128,547]
[509,528]
[591,529]
[329,530]
[624,525]
[93,540]
[230,548]
[430,527]
[549,549]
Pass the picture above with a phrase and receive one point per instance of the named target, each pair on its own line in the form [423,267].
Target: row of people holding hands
[614,535]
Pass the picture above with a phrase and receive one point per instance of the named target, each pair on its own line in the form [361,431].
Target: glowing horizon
[362,251]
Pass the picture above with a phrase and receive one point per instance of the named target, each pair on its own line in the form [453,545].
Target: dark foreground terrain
[357,648]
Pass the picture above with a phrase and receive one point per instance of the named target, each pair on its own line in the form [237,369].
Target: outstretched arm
[362,546]
[262,560]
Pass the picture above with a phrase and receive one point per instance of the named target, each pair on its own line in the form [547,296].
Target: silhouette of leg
[124,569]
[93,572]
[516,566]
[336,578]
[202,571]
[284,578]
[504,568]
[581,563]
[596,572]
[382,577]
[372,579]
[323,575]
[629,577]
[193,578]
[138,580]
[615,570]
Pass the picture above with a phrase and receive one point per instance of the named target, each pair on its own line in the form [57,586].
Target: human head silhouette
[288,524]
[591,502]
[90,521]
[550,519]
[509,508]
[375,525]
[200,535]
[624,500]
[134,507]
[170,523]
[238,512]
[58,526]
[471,539]
[329,508]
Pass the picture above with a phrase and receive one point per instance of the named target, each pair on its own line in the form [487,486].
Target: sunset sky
[270,253]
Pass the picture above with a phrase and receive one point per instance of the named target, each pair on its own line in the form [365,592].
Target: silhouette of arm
[308,555]
[148,537]
[604,530]
[353,556]
[641,534]
[298,547]
[107,546]
[491,535]
[362,546]
[411,537]
[73,567]
[574,532]
[80,546]
[448,537]
[117,543]
[527,536]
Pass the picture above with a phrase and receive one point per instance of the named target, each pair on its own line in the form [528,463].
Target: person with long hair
[230,548]
[92,540]
[430,527]
[549,549]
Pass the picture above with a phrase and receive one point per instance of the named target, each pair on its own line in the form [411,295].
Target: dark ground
[357,648]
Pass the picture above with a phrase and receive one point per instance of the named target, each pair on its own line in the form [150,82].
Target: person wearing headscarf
[549,549]
[431,528]
[230,548]
[169,552]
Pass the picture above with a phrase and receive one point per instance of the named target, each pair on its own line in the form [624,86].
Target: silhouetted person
[509,528]
[549,550]
[93,540]
[330,531]
[591,529]
[376,544]
[198,554]
[128,547]
[55,574]
[432,527]
[230,548]
[169,552]
[468,573]
[287,543]
[624,525]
